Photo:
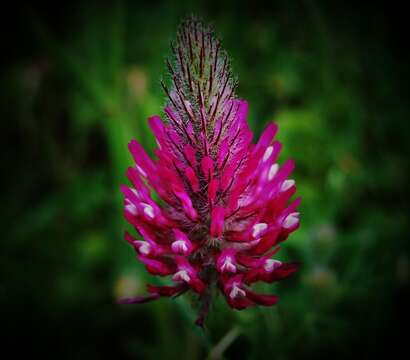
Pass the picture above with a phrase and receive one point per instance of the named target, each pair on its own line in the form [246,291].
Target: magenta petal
[192,178]
[138,184]
[226,262]
[186,203]
[240,304]
[284,271]
[145,165]
[267,135]
[223,152]
[181,244]
[242,111]
[207,167]
[189,152]
[262,299]
[157,267]
[157,128]
[217,221]
[186,273]
[212,189]
[227,177]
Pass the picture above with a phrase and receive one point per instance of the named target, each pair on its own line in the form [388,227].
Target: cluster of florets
[224,202]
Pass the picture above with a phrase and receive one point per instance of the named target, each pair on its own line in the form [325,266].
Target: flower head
[225,201]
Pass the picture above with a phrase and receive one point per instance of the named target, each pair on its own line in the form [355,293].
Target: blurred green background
[79,81]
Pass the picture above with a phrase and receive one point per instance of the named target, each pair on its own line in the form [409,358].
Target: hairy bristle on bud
[202,83]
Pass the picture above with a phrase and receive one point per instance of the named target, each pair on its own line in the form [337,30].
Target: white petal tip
[271,265]
[258,229]
[268,153]
[131,209]
[291,220]
[144,248]
[228,266]
[236,292]
[179,247]
[181,275]
[272,171]
[149,211]
[141,171]
[287,184]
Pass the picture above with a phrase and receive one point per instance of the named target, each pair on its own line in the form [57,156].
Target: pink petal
[190,152]
[207,166]
[157,267]
[186,203]
[267,136]
[262,299]
[226,262]
[193,180]
[212,189]
[181,244]
[217,221]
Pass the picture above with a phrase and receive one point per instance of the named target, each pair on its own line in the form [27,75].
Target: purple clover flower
[225,202]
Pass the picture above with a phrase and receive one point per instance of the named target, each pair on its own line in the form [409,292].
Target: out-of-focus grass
[77,105]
